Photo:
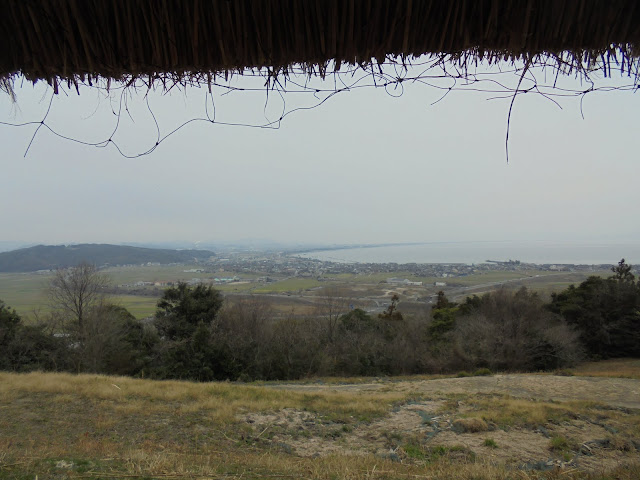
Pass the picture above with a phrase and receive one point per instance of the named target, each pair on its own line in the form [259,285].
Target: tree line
[196,334]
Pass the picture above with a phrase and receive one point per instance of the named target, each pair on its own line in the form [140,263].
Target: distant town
[272,266]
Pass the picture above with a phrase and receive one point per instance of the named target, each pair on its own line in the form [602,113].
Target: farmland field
[26,292]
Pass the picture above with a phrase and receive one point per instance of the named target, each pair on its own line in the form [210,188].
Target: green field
[290,285]
[153,273]
[26,292]
[140,307]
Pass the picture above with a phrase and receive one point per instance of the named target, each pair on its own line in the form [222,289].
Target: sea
[481,252]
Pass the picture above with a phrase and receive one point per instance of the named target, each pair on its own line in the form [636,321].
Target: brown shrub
[469,425]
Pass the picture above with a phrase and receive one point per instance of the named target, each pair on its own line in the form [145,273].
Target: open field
[502,426]
[26,292]
[139,306]
[626,368]
[152,273]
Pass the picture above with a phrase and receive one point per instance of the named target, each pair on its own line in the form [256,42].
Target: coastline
[470,253]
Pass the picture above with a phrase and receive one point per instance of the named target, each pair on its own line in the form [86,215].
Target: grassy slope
[139,426]
[620,368]
[93,426]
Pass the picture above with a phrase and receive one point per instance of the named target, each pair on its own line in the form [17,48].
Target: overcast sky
[364,167]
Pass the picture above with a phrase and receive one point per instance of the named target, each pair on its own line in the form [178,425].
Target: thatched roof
[72,40]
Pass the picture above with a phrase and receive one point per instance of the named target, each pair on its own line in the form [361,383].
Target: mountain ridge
[50,257]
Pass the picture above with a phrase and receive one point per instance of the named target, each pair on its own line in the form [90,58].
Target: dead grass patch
[469,425]
[506,411]
[221,400]
[616,368]
[111,427]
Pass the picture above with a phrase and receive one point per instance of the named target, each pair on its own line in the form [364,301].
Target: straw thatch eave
[74,40]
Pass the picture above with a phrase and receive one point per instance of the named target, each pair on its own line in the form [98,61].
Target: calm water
[479,252]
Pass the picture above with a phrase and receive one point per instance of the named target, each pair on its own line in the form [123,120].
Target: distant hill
[46,257]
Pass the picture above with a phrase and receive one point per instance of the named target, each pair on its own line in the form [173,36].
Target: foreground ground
[584,423]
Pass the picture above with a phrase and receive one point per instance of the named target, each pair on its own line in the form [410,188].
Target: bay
[480,252]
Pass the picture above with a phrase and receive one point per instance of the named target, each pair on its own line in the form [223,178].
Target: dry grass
[94,426]
[507,411]
[469,425]
[154,428]
[617,367]
[387,383]
[220,400]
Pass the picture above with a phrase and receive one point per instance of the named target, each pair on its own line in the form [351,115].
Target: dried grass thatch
[80,40]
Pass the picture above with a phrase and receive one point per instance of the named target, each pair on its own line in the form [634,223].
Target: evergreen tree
[605,311]
[181,309]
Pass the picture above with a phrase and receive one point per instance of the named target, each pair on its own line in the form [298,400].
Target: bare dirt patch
[596,427]
[619,392]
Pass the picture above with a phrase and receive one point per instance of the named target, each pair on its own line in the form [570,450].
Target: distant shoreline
[351,247]
[470,253]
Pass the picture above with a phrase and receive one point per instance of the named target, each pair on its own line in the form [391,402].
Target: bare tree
[75,291]
[509,330]
[102,345]
[331,304]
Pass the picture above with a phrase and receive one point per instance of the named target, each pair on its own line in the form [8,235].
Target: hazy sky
[364,167]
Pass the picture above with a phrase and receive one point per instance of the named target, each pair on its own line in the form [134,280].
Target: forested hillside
[46,257]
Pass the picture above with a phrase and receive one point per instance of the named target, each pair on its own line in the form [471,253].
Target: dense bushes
[25,348]
[513,331]
[183,322]
[244,340]
[606,312]
[195,335]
